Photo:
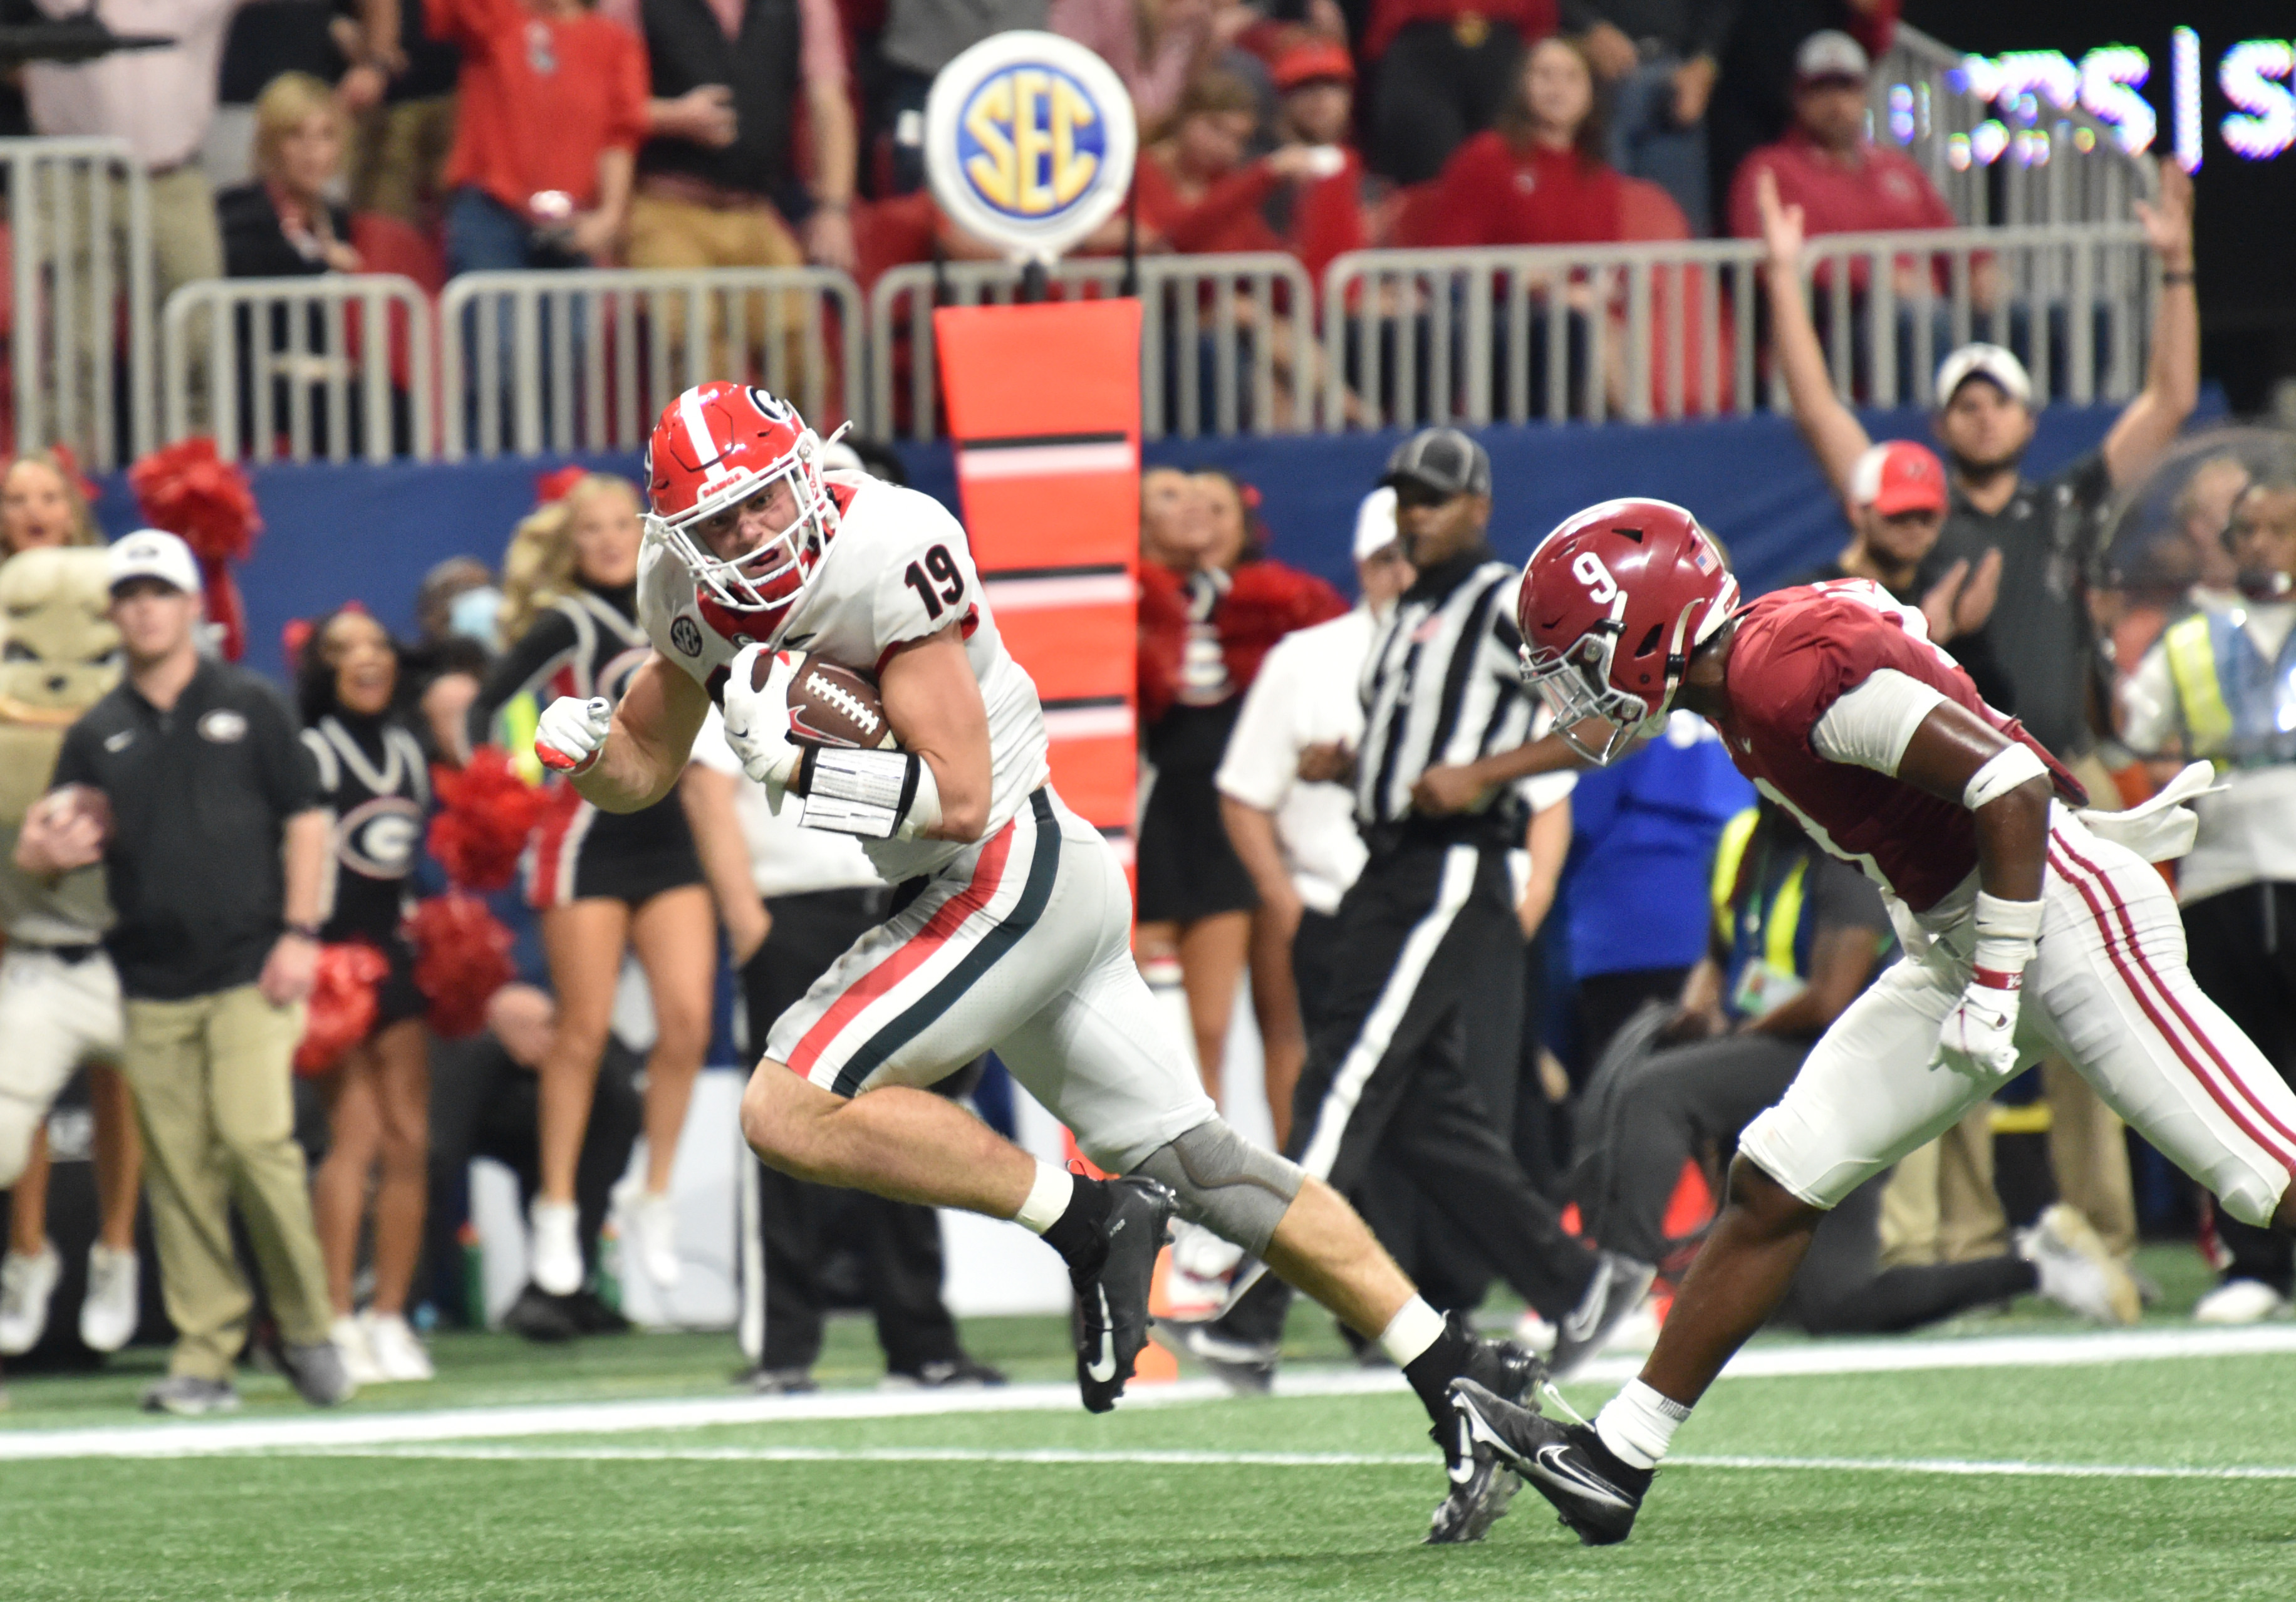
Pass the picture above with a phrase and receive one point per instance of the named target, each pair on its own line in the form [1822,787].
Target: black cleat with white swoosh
[1596,1494]
[1111,1321]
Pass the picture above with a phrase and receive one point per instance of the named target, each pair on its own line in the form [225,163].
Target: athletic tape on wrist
[2012,765]
[2008,933]
[864,792]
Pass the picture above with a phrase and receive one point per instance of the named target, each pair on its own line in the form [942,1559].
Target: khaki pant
[186,247]
[1940,1205]
[398,162]
[213,1093]
[670,233]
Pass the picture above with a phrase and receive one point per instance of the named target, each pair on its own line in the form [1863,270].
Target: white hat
[1830,53]
[154,553]
[1984,361]
[1375,523]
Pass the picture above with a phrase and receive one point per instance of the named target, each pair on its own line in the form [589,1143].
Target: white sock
[1638,1425]
[1048,1198]
[1414,1328]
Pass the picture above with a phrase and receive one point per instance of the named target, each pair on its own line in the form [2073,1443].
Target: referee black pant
[1386,1074]
[2241,946]
[796,1235]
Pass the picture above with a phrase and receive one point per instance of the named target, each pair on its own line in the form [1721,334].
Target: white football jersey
[897,570]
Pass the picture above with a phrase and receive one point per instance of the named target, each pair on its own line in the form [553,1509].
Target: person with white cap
[2040,535]
[1293,826]
[218,910]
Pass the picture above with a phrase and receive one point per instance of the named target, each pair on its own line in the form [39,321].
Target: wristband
[864,792]
[1997,979]
[2013,765]
[310,932]
[2170,280]
[2008,933]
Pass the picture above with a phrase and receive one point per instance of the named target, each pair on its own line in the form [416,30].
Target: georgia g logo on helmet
[715,446]
[1611,606]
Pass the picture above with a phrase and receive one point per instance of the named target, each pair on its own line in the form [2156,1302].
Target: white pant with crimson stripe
[2108,990]
[1022,946]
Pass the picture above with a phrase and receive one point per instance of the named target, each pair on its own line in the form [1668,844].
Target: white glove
[569,733]
[1979,1038]
[756,722]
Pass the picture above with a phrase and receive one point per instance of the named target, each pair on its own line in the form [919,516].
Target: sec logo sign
[1029,142]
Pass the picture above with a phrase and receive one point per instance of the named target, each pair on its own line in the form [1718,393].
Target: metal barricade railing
[1670,330]
[584,361]
[1227,343]
[2042,159]
[79,221]
[335,367]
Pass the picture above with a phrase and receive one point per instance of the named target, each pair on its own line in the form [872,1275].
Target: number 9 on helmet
[1611,604]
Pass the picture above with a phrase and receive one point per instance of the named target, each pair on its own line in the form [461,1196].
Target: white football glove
[1979,1038]
[757,722]
[569,733]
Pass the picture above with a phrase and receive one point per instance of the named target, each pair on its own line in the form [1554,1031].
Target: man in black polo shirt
[189,782]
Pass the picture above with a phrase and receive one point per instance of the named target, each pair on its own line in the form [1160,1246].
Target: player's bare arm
[1952,746]
[934,702]
[649,742]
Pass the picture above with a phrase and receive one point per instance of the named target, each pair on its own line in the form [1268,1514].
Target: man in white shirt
[2221,685]
[820,895]
[1291,822]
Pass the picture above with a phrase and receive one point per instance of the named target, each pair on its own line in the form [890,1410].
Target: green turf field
[1948,1482]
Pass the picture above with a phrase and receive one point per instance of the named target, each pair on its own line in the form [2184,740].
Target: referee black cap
[1442,459]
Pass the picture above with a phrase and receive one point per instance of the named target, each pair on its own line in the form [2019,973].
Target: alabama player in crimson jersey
[1014,929]
[2030,926]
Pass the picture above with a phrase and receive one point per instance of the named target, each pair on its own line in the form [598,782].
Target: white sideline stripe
[1087,722]
[160,1439]
[1047,461]
[1038,594]
[1066,1456]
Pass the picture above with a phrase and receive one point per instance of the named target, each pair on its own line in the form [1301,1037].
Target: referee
[1447,729]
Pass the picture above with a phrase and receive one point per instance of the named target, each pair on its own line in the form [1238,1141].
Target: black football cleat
[1111,1321]
[1246,1368]
[1480,1488]
[1596,1494]
[1617,1289]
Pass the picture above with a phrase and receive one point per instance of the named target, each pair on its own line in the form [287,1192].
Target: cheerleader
[373,777]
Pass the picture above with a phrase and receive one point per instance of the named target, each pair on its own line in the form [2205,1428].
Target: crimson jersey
[1798,652]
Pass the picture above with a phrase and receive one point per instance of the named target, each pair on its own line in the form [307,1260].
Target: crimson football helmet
[715,446]
[1612,602]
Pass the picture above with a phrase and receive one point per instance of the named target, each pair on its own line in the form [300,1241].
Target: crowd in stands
[442,137]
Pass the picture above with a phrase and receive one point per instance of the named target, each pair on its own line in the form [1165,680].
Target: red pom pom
[191,492]
[343,1004]
[461,957]
[485,813]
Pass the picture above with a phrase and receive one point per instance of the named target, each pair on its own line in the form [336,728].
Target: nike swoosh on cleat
[1103,1369]
[1461,1468]
[1551,1464]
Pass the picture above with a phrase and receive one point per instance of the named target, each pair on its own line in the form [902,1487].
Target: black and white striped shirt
[1441,685]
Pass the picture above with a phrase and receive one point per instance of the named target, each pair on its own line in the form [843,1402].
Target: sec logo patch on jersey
[685,634]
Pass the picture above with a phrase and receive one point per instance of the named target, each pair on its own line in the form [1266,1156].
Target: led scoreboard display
[2255,77]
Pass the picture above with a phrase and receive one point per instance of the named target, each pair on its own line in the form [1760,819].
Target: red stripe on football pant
[2177,1044]
[2207,1043]
[988,874]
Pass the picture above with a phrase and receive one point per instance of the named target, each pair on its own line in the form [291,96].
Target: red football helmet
[715,446]
[1611,605]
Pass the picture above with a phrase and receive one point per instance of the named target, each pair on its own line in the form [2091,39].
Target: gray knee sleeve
[1229,1186]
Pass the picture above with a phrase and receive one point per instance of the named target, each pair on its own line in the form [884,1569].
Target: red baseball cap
[1899,476]
[1307,63]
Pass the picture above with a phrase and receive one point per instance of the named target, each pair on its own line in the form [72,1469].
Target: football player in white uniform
[1012,932]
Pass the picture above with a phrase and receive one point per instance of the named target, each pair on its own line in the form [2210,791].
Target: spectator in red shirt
[553,105]
[1197,192]
[1447,69]
[1843,183]
[1321,217]
[1538,177]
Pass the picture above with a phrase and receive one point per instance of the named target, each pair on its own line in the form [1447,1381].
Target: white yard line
[339,1432]
[2013,1468]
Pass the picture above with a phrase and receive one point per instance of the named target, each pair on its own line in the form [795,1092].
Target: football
[830,705]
